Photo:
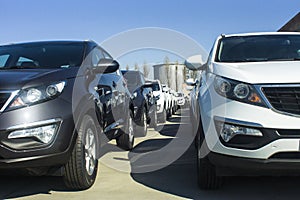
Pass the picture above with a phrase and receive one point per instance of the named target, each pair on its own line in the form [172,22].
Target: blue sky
[98,20]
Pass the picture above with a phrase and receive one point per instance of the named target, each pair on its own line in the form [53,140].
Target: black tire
[126,140]
[169,113]
[153,122]
[173,110]
[141,131]
[206,171]
[163,116]
[81,169]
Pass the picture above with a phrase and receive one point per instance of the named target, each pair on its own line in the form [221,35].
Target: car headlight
[34,95]
[135,94]
[238,91]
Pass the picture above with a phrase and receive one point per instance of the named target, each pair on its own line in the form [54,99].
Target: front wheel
[141,131]
[206,171]
[126,139]
[153,122]
[163,116]
[81,169]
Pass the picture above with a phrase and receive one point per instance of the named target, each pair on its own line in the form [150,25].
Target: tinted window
[106,55]
[44,55]
[134,78]
[3,59]
[259,48]
[155,87]
[97,54]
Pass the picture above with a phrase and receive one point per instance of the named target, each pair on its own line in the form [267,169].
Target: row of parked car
[60,101]
[153,102]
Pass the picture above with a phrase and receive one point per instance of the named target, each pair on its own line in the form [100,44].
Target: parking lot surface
[176,180]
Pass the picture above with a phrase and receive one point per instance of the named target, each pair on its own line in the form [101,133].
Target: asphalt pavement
[161,166]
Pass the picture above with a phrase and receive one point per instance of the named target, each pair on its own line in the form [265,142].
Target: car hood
[260,72]
[15,79]
[157,93]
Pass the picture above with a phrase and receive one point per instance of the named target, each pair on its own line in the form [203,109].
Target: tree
[145,69]
[136,67]
[177,76]
[167,66]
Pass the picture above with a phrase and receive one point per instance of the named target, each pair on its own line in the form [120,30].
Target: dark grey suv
[55,107]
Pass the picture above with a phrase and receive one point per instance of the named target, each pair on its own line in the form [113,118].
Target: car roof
[89,42]
[260,33]
[131,72]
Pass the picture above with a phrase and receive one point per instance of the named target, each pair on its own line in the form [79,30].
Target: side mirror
[106,66]
[191,82]
[195,62]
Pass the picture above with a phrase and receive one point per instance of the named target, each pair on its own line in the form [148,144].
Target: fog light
[228,131]
[45,133]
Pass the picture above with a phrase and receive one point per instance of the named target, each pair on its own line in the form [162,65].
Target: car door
[106,90]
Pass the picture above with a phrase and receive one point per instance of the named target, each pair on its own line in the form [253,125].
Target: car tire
[163,116]
[206,171]
[81,169]
[141,131]
[126,140]
[169,113]
[173,110]
[153,122]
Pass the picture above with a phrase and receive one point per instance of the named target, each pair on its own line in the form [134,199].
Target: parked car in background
[168,97]
[180,100]
[152,102]
[248,107]
[173,101]
[115,102]
[52,110]
[135,82]
[160,99]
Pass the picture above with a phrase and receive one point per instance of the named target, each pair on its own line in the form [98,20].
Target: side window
[106,55]
[96,56]
[3,60]
[26,62]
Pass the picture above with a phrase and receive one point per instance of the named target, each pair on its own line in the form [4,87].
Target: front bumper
[233,165]
[24,152]
[281,132]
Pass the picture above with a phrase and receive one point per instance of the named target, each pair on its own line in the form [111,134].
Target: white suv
[248,101]
[168,100]
[160,99]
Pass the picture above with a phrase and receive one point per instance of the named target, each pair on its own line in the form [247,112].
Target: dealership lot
[175,181]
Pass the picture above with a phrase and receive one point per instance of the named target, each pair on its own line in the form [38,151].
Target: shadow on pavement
[180,178]
[21,186]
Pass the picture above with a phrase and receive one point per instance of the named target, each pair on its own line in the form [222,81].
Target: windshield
[259,48]
[155,87]
[41,55]
[133,78]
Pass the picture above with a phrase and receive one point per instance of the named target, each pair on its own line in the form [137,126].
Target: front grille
[285,99]
[286,155]
[283,132]
[3,98]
